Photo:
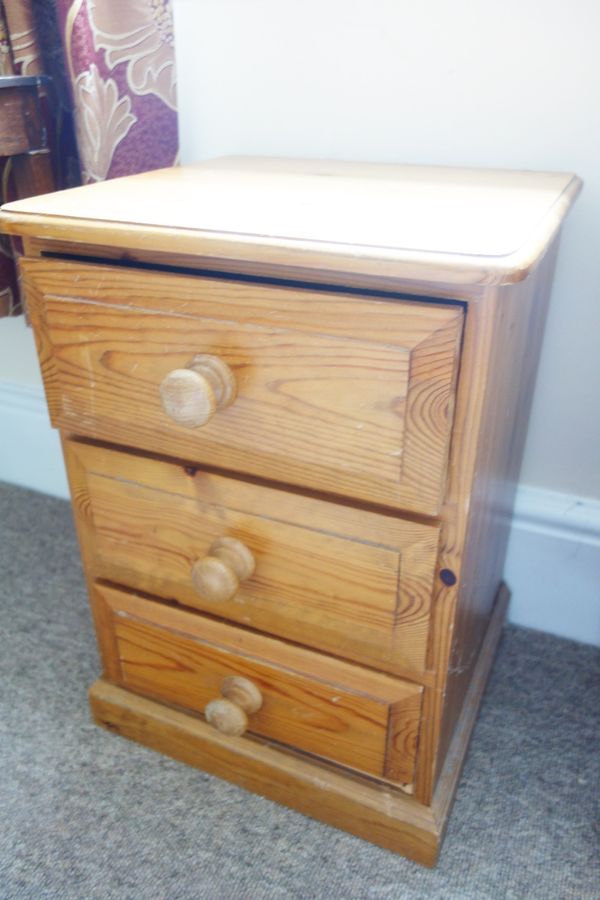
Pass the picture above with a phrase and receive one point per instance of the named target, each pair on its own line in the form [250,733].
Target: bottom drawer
[338,711]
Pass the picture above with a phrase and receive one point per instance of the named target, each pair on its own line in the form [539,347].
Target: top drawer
[341,393]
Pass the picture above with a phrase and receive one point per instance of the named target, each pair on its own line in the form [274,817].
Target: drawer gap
[192,468]
[426,679]
[218,275]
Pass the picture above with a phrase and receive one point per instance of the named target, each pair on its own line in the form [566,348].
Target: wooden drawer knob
[191,396]
[229,712]
[218,575]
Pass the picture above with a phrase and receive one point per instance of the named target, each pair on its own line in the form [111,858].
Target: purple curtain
[120,56]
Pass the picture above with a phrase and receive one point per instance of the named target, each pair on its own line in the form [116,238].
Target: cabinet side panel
[474,376]
[502,339]
[517,337]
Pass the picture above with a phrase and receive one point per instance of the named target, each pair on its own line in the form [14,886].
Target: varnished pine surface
[475,258]
[516,331]
[375,812]
[487,225]
[348,395]
[349,715]
[353,583]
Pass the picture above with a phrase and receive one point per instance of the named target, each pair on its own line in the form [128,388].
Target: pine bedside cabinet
[293,398]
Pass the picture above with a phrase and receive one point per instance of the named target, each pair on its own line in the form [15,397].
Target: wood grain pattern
[316,704]
[229,713]
[471,393]
[493,400]
[369,278]
[351,582]
[378,813]
[23,137]
[216,577]
[227,717]
[382,629]
[464,722]
[375,812]
[343,394]
[461,226]
[242,692]
[517,330]
[192,396]
[21,123]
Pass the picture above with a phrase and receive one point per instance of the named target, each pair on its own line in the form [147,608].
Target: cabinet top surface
[452,216]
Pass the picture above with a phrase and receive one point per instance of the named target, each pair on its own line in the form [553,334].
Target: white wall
[18,360]
[512,84]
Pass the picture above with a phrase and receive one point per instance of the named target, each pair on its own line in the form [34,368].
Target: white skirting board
[553,564]
[30,453]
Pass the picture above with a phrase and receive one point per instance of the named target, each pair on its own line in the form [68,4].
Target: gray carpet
[86,814]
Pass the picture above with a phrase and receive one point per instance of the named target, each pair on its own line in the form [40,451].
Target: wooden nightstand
[293,397]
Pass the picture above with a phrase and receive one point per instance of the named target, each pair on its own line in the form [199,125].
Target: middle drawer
[354,583]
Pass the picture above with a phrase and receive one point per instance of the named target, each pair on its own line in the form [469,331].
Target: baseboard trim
[554,550]
[553,563]
[30,453]
[564,516]
[27,398]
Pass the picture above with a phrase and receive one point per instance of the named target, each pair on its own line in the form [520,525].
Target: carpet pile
[86,814]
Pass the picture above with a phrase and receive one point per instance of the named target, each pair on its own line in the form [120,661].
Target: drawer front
[335,710]
[341,393]
[353,583]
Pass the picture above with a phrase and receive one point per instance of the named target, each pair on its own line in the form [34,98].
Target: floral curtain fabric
[112,64]
[121,62]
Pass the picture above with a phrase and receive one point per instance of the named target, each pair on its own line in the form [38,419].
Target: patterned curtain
[111,108]
[121,62]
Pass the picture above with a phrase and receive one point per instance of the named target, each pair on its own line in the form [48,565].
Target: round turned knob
[191,396]
[229,713]
[242,692]
[226,717]
[217,577]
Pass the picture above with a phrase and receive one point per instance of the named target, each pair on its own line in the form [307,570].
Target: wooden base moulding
[377,813]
